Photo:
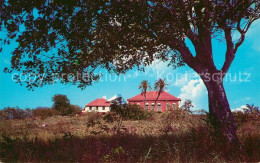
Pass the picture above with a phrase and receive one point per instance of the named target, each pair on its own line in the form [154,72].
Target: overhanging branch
[185,52]
[230,55]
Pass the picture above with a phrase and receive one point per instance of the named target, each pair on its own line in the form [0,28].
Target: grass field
[162,137]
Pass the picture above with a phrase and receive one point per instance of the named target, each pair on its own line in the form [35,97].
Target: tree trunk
[219,111]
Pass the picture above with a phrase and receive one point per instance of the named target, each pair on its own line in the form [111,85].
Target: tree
[144,86]
[159,86]
[61,104]
[13,113]
[120,35]
[252,109]
[187,105]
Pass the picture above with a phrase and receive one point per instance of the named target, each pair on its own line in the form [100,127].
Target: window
[173,105]
[152,106]
[159,107]
[146,106]
[90,108]
[103,107]
[168,106]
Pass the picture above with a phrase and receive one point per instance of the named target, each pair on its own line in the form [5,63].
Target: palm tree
[159,86]
[252,109]
[144,86]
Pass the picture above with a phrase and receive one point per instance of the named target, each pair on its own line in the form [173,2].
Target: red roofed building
[100,105]
[164,101]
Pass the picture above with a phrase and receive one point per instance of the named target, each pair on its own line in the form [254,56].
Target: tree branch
[185,53]
[185,20]
[242,32]
[230,55]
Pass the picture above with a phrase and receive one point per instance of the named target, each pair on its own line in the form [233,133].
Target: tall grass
[165,137]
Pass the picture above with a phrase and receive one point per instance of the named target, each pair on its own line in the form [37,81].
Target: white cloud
[196,91]
[183,78]
[240,109]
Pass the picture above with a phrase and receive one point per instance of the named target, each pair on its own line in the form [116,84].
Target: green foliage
[136,112]
[94,33]
[160,86]
[130,112]
[144,86]
[61,104]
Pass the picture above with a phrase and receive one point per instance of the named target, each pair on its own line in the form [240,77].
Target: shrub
[74,109]
[93,119]
[130,112]
[43,112]
[172,117]
[119,113]
[136,112]
[187,105]
[240,118]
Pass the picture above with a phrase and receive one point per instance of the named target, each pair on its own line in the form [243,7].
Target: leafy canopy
[70,36]
[61,103]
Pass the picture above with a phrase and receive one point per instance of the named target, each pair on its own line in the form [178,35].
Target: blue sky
[247,90]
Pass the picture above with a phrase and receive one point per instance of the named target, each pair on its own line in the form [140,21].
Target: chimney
[105,97]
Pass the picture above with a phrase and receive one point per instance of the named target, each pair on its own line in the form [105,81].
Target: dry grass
[177,137]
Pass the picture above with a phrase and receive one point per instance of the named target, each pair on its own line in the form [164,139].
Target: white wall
[97,109]
[106,109]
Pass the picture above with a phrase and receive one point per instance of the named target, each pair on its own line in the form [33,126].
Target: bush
[130,112]
[92,119]
[120,113]
[74,109]
[172,117]
[136,112]
[43,112]
[242,118]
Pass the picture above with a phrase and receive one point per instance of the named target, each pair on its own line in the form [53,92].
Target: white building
[100,105]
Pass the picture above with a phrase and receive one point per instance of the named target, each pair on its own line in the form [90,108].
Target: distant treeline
[42,112]
[61,106]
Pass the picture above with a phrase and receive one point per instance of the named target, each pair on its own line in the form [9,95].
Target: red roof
[99,102]
[152,95]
